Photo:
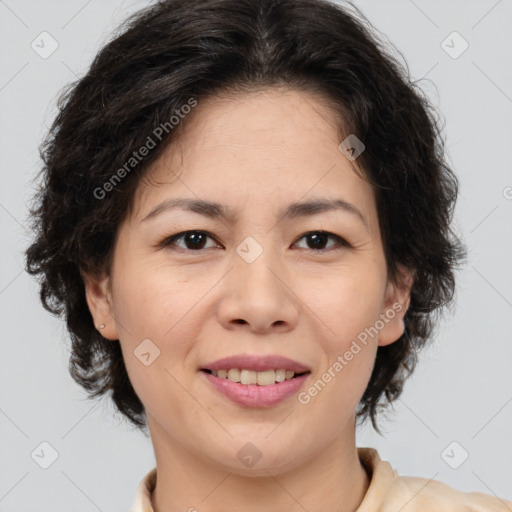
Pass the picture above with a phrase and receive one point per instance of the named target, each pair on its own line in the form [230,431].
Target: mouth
[256,380]
[255,389]
[249,377]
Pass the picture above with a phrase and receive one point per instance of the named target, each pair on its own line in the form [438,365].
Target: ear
[98,294]
[396,304]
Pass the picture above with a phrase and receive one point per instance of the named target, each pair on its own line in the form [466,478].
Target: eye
[196,240]
[318,239]
[193,240]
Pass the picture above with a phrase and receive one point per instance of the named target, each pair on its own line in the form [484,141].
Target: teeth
[265,378]
[280,375]
[233,374]
[248,377]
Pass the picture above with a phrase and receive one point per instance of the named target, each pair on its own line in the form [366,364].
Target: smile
[247,391]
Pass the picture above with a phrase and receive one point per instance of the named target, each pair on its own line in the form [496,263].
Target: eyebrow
[215,210]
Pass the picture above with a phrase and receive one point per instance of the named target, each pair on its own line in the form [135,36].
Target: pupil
[196,237]
[318,240]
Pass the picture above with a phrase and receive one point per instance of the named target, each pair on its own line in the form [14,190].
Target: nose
[258,297]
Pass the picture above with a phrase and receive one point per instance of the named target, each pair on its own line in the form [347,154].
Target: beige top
[388,492]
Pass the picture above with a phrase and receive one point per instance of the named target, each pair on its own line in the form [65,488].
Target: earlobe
[396,304]
[99,299]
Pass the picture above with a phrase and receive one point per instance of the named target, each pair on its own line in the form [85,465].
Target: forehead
[255,150]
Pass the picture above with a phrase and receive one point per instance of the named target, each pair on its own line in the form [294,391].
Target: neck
[332,481]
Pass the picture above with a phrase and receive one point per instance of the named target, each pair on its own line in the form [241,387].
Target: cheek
[158,322]
[150,300]
[345,302]
[158,388]
[156,312]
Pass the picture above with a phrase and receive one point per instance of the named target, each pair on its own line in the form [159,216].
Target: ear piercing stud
[102,326]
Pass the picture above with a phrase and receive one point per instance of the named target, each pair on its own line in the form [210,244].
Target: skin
[255,153]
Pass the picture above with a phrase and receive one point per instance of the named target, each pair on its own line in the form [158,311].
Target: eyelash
[170,240]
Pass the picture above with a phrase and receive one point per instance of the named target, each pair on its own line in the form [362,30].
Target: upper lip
[257,363]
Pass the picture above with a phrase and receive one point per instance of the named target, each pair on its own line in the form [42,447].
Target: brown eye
[192,240]
[316,240]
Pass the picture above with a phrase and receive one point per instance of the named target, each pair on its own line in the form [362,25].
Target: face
[253,278]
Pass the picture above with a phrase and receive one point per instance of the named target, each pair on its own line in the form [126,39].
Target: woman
[245,218]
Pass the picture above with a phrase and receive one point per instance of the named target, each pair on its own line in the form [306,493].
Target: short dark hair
[173,51]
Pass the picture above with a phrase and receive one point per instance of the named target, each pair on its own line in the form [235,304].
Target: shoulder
[146,486]
[390,492]
[422,494]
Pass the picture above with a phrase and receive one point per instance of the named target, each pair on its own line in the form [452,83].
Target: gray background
[462,389]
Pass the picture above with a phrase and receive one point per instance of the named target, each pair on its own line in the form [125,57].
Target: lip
[257,363]
[252,395]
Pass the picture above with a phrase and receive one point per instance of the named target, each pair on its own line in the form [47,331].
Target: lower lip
[252,395]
